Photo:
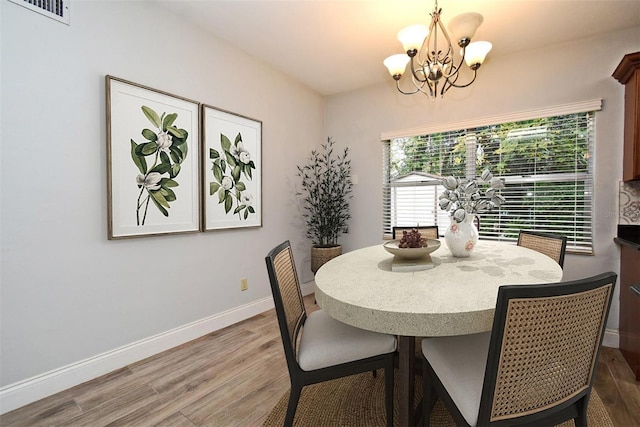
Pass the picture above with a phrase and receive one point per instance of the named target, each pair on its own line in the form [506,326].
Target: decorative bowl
[411,253]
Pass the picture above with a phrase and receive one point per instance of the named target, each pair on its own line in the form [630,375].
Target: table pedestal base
[406,380]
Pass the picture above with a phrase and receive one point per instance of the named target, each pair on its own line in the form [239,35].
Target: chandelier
[434,69]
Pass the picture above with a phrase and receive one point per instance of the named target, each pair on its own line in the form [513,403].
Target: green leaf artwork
[228,168]
[167,148]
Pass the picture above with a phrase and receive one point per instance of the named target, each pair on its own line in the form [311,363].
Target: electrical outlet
[243,284]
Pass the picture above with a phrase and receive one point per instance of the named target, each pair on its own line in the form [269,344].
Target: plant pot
[320,255]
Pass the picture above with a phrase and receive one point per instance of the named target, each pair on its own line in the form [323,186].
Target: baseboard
[611,338]
[24,392]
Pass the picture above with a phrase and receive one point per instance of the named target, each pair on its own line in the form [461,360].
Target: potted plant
[325,191]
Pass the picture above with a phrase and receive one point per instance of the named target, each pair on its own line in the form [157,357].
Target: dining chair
[317,347]
[552,245]
[428,232]
[535,367]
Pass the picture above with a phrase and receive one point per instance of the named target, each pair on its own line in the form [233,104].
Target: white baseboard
[24,392]
[16,395]
[611,338]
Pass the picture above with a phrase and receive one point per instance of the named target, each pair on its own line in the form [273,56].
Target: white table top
[456,297]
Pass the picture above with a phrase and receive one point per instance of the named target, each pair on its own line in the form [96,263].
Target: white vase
[461,237]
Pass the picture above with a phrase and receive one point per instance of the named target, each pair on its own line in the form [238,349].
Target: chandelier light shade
[464,26]
[396,64]
[476,53]
[431,58]
[412,37]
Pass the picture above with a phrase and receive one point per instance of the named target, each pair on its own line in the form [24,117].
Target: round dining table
[454,296]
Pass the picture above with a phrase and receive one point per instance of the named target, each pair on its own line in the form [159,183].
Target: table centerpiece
[464,199]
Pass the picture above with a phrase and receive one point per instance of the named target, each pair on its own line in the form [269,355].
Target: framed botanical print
[232,170]
[153,160]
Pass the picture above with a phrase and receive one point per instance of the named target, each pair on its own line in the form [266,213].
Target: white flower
[164,141]
[444,204]
[227,183]
[483,205]
[498,199]
[470,187]
[450,183]
[463,197]
[240,153]
[497,183]
[247,199]
[459,215]
[151,182]
[245,157]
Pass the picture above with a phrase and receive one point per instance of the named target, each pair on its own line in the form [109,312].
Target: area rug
[358,400]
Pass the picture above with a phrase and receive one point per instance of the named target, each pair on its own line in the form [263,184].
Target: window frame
[582,235]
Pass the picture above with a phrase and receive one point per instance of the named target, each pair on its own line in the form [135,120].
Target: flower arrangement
[229,167]
[464,197]
[167,147]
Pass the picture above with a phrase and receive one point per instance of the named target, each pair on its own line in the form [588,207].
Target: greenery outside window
[547,165]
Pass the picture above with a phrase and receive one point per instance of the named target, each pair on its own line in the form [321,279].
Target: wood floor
[233,377]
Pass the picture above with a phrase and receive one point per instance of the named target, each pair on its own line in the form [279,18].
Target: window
[546,163]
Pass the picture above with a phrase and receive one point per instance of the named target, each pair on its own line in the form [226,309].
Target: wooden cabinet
[628,73]
[630,306]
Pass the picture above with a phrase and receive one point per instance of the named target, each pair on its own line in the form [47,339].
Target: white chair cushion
[327,342]
[460,363]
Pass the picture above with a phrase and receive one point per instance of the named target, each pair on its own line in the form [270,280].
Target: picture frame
[153,161]
[232,170]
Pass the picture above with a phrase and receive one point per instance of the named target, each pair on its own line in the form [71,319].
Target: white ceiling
[335,46]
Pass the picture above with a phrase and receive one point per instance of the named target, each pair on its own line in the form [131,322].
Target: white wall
[69,298]
[552,76]
[67,293]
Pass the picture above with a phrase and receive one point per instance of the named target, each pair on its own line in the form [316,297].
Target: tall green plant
[325,191]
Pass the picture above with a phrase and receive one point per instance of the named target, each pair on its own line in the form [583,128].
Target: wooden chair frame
[300,378]
[573,406]
[553,245]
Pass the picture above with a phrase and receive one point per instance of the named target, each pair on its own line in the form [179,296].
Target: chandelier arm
[406,93]
[448,83]
[414,68]
[475,73]
[446,36]
[446,86]
[455,69]
[424,53]
[419,85]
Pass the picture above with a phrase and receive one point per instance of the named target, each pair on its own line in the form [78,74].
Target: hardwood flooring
[234,377]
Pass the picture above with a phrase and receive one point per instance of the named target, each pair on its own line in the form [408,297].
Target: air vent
[55,9]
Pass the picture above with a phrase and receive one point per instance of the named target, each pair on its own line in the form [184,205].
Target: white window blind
[546,163]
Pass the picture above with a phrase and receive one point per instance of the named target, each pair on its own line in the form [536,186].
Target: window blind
[546,163]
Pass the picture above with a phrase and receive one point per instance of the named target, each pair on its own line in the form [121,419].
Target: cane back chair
[552,245]
[535,367]
[317,347]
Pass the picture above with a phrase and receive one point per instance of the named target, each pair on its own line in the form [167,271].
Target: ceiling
[336,46]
